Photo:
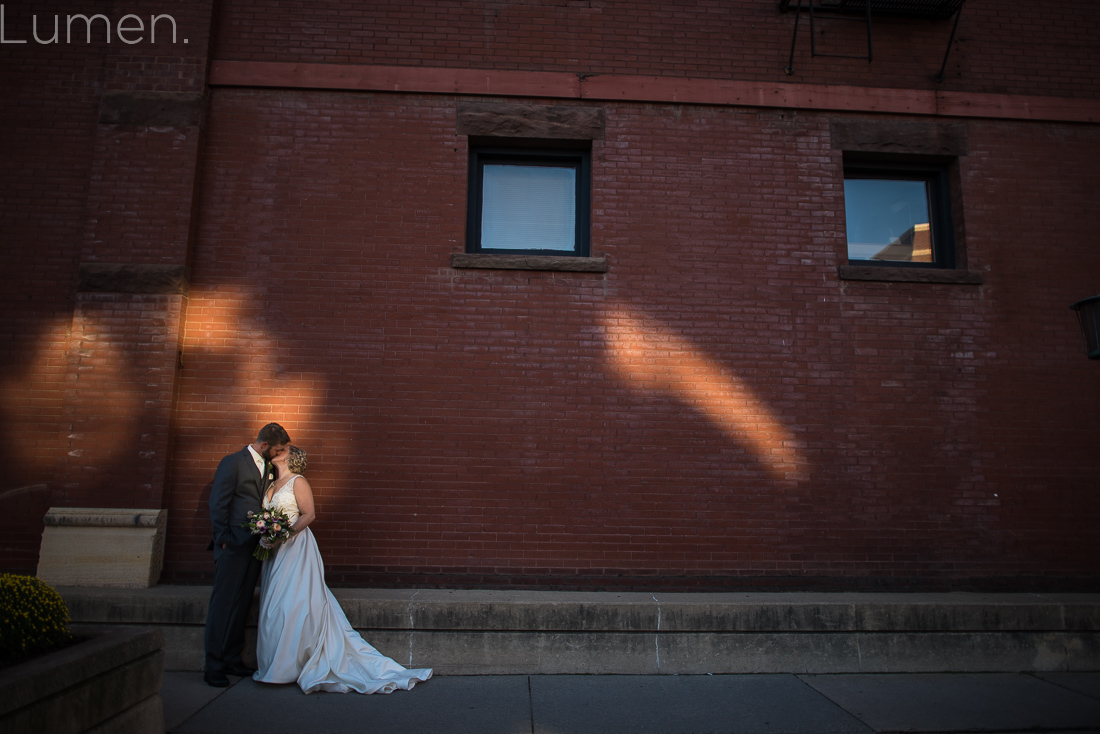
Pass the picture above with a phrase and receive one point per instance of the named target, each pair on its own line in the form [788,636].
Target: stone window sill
[908,275]
[529,262]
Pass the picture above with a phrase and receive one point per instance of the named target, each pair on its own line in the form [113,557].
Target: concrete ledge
[564,653]
[471,632]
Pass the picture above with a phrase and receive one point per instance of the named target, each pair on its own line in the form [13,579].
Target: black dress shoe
[242,670]
[216,678]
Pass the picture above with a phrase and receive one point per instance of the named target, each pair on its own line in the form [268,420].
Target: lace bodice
[284,500]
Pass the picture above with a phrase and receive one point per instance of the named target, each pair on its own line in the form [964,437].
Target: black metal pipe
[870,49]
[943,67]
[813,45]
[789,69]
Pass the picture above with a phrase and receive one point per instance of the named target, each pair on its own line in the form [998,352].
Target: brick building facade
[268,221]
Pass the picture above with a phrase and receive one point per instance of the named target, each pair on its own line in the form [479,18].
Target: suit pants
[235,576]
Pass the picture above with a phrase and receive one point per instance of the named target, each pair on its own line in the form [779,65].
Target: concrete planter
[109,684]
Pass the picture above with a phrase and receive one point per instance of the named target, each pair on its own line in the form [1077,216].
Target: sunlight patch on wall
[294,402]
[652,358]
[222,329]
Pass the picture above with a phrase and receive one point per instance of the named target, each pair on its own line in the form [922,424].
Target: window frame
[934,171]
[579,158]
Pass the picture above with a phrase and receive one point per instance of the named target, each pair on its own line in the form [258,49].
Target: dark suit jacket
[238,488]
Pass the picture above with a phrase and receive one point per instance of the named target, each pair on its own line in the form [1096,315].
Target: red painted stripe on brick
[1018,107]
[757,94]
[413,79]
[510,83]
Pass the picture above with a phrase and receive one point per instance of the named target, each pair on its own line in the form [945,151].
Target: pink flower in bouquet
[261,525]
[277,528]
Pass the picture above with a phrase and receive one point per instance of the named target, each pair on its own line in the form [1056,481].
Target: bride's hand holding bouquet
[273,526]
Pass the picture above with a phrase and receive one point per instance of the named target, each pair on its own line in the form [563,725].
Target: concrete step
[483,632]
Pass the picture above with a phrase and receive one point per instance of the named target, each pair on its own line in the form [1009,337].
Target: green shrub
[33,617]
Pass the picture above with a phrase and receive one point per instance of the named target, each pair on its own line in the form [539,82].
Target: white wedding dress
[304,636]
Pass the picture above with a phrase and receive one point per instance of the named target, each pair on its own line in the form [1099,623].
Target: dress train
[305,637]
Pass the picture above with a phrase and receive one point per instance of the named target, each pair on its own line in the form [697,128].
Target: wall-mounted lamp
[1088,313]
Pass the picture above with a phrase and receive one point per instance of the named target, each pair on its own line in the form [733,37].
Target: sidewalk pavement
[642,704]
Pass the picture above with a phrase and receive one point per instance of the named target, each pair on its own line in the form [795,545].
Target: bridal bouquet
[270,525]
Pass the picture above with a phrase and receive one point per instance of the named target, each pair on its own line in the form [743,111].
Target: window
[898,214]
[528,201]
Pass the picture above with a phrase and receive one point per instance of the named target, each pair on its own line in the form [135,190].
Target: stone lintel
[132,278]
[908,275]
[151,109]
[497,119]
[529,262]
[903,138]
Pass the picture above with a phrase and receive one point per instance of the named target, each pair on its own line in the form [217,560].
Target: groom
[239,486]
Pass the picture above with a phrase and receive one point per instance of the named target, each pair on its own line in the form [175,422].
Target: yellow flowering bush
[33,617]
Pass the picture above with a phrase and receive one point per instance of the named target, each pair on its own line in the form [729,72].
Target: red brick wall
[717,409]
[49,98]
[88,378]
[1031,233]
[1015,46]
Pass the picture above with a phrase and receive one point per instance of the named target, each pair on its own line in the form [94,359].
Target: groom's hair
[273,435]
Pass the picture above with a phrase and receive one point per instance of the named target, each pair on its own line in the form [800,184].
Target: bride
[304,635]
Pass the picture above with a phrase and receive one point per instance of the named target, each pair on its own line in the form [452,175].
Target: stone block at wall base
[121,548]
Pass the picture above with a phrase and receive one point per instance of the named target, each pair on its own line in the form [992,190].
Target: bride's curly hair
[296,460]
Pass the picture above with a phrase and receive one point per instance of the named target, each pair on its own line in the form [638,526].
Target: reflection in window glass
[529,207]
[888,220]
